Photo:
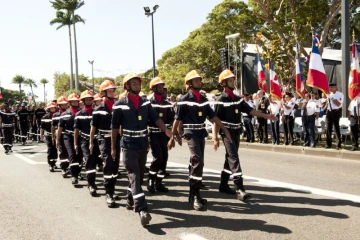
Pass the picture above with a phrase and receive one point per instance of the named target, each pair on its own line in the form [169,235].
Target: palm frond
[18,79]
[78,19]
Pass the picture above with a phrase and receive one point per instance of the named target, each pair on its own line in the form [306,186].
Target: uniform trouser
[37,127]
[8,137]
[354,126]
[97,154]
[333,119]
[309,130]
[90,164]
[111,166]
[159,151]
[249,128]
[288,129]
[196,146]
[16,130]
[1,136]
[52,154]
[32,132]
[232,161]
[275,129]
[74,159]
[24,127]
[63,154]
[262,130]
[135,161]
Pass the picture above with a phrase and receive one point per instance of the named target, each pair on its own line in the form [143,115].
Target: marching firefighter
[100,124]
[63,154]
[158,138]
[99,162]
[32,128]
[17,136]
[66,128]
[133,113]
[82,137]
[97,99]
[192,111]
[228,109]
[45,132]
[23,116]
[36,120]
[7,119]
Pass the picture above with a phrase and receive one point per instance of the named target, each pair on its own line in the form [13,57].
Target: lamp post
[149,13]
[92,74]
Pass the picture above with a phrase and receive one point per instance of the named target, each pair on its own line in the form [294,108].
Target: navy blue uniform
[7,126]
[39,114]
[24,123]
[63,154]
[52,154]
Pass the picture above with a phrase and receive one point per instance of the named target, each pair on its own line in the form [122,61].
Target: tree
[44,82]
[11,96]
[18,79]
[61,85]
[71,6]
[31,84]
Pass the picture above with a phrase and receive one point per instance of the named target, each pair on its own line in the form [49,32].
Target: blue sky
[117,35]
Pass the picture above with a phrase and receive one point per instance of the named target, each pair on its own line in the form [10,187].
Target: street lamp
[92,74]
[149,13]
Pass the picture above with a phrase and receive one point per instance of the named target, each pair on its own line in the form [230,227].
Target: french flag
[275,90]
[354,78]
[261,76]
[316,76]
[300,86]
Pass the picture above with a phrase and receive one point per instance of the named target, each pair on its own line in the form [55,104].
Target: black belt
[133,133]
[194,126]
[105,133]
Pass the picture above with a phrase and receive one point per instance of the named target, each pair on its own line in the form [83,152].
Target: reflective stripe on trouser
[74,160]
[196,146]
[111,167]
[52,154]
[8,137]
[89,161]
[24,130]
[159,151]
[232,161]
[63,154]
[135,161]
[38,127]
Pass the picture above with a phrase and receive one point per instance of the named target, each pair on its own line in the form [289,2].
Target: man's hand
[77,149]
[228,135]
[216,143]
[113,153]
[91,147]
[171,143]
[168,133]
[272,117]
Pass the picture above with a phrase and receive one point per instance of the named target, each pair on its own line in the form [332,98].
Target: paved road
[293,198]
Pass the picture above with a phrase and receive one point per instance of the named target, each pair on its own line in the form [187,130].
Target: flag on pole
[300,79]
[316,76]
[261,76]
[354,77]
[275,90]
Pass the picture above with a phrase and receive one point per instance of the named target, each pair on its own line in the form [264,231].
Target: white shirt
[339,97]
[312,107]
[275,107]
[354,103]
[251,104]
[290,104]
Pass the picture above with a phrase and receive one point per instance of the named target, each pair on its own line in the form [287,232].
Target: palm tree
[64,19]
[18,79]
[44,82]
[71,6]
[32,84]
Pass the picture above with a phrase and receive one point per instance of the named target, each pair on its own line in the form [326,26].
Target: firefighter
[36,120]
[82,137]
[97,99]
[66,128]
[32,130]
[7,120]
[45,132]
[16,127]
[63,154]
[99,162]
[100,125]
[228,109]
[192,111]
[158,138]
[132,114]
[23,117]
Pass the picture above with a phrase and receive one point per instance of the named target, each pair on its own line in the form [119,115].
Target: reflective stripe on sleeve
[123,107]
[90,171]
[227,171]
[139,195]
[101,112]
[195,178]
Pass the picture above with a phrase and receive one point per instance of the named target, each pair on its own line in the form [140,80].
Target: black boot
[145,217]
[224,186]
[129,201]
[240,191]
[74,181]
[92,189]
[110,201]
[199,203]
[151,186]
[160,187]
[51,168]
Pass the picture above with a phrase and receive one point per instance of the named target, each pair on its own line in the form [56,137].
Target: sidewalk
[318,152]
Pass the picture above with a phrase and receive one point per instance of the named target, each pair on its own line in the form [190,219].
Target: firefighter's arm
[76,138]
[92,136]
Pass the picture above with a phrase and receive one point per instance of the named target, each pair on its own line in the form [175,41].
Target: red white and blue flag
[316,76]
[300,78]
[354,77]
[261,76]
[275,89]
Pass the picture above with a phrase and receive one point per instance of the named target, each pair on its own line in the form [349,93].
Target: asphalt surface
[294,197]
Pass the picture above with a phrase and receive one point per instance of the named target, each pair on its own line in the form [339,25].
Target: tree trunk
[71,63]
[76,57]
[33,96]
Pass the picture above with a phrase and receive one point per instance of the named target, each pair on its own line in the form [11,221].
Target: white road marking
[39,153]
[191,236]
[28,160]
